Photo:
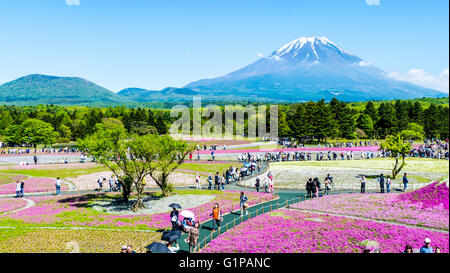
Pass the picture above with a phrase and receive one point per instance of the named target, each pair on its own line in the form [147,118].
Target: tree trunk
[165,186]
[139,190]
[394,171]
[126,188]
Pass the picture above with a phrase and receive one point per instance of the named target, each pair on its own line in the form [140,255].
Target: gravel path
[154,205]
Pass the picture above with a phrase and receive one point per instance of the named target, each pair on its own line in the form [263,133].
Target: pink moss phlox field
[10,204]
[300,232]
[75,211]
[426,207]
[35,184]
[435,194]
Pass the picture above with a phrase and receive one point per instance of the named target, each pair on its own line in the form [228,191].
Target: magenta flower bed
[72,211]
[300,232]
[35,184]
[384,207]
[433,195]
[10,204]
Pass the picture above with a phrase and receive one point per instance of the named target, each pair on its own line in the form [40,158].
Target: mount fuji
[310,68]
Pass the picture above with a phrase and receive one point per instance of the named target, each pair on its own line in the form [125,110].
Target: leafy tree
[371,111]
[132,157]
[386,119]
[397,147]
[31,131]
[413,131]
[365,123]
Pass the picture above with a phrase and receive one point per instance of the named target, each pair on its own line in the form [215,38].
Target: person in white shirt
[173,249]
[18,189]
[58,186]
[197,181]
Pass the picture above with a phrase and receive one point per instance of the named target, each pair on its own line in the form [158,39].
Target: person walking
[22,185]
[192,237]
[210,181]
[309,188]
[223,181]
[35,159]
[388,184]
[217,181]
[100,183]
[381,181]
[363,184]
[18,189]
[174,216]
[58,186]
[197,182]
[243,203]
[314,189]
[111,183]
[257,184]
[216,214]
[118,183]
[427,247]
[405,182]
[327,186]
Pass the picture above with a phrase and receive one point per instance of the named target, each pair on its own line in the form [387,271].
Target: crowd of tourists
[20,151]
[114,183]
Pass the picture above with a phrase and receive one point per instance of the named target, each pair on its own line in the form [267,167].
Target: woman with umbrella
[188,221]
[174,215]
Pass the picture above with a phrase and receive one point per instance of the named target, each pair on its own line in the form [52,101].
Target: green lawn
[63,173]
[207,167]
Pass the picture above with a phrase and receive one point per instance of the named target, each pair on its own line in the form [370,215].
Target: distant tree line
[318,121]
[338,120]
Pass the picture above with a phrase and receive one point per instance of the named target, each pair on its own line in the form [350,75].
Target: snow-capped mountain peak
[314,50]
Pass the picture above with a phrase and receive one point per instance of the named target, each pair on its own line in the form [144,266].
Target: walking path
[234,218]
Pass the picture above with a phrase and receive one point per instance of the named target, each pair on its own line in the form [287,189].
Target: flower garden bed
[35,184]
[294,231]
[64,241]
[10,204]
[426,207]
[77,211]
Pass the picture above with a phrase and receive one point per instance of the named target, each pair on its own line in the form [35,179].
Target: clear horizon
[155,44]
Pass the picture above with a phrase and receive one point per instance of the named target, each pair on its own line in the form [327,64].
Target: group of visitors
[127,249]
[313,186]
[267,185]
[384,181]
[114,183]
[19,189]
[231,175]
[192,227]
[431,149]
[426,248]
[20,151]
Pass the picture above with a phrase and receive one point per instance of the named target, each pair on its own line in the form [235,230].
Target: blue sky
[154,44]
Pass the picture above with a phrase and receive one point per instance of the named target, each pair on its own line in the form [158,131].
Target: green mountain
[169,94]
[41,89]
